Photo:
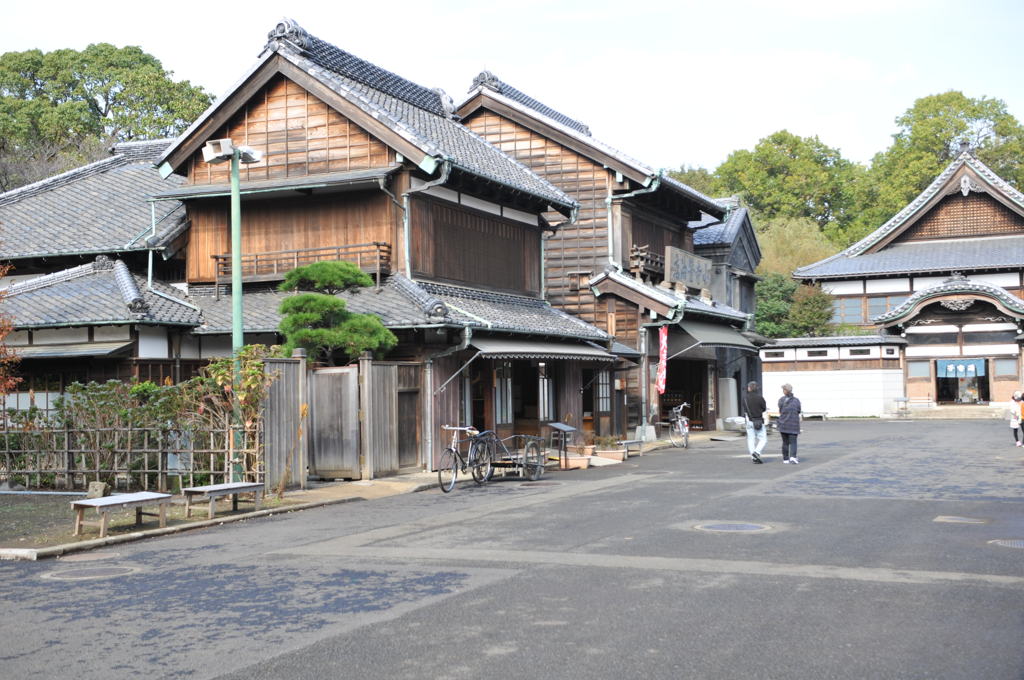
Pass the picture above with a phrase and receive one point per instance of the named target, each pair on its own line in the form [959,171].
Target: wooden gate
[285,442]
[391,405]
[335,423]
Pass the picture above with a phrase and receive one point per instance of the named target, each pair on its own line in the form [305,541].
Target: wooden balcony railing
[373,258]
[647,265]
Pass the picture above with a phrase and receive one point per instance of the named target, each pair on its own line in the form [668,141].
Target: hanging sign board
[686,268]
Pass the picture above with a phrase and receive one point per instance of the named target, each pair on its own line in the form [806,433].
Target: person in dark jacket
[757,433]
[789,423]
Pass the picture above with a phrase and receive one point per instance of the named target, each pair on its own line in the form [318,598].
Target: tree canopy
[63,108]
[321,323]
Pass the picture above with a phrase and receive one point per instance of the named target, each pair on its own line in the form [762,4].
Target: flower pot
[575,463]
[580,449]
[612,454]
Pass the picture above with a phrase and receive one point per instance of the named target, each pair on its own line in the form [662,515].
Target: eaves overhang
[953,288]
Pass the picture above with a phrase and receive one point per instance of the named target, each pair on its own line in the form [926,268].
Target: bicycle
[679,426]
[478,459]
[528,463]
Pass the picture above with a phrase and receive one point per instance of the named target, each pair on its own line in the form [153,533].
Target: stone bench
[123,501]
[633,444]
[215,491]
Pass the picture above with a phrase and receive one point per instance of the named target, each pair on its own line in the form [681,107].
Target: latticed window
[604,392]
[545,393]
[503,393]
[847,310]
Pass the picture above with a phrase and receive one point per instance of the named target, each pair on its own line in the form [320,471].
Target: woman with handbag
[789,423]
[757,433]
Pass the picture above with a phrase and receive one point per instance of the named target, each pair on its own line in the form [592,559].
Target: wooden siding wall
[298,134]
[446,404]
[581,247]
[288,224]
[656,233]
[960,216]
[455,243]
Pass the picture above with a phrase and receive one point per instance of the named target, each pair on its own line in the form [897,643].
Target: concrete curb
[66,548]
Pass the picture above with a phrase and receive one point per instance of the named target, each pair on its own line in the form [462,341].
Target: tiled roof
[720,232]
[973,253]
[687,303]
[98,293]
[511,313]
[101,207]
[976,254]
[402,303]
[488,79]
[952,286]
[421,116]
[499,90]
[838,341]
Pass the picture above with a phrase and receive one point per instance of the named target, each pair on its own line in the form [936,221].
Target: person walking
[757,433]
[789,423]
[1014,413]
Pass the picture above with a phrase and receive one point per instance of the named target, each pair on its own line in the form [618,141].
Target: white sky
[667,82]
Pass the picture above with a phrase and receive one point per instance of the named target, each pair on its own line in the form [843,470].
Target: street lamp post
[219,151]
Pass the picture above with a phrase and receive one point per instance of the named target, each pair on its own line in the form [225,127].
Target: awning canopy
[710,335]
[505,348]
[81,349]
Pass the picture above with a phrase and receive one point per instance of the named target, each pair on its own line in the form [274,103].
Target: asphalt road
[874,558]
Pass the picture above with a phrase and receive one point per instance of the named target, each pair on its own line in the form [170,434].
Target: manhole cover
[88,556]
[88,573]
[541,484]
[1017,543]
[951,519]
[733,526]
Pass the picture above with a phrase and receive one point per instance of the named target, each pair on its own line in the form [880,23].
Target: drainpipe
[446,168]
[653,186]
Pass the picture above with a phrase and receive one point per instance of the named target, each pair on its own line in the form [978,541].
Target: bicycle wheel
[447,470]
[533,461]
[481,460]
[676,434]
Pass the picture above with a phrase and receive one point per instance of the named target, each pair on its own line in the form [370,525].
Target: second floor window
[847,310]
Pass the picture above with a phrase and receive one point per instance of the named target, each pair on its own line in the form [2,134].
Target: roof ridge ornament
[289,32]
[488,80]
[447,103]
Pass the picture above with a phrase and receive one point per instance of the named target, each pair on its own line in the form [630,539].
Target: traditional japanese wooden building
[629,263]
[940,284]
[358,164]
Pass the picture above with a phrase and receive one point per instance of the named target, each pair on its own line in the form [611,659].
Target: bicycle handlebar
[470,429]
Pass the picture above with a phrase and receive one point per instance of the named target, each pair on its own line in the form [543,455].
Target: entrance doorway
[961,381]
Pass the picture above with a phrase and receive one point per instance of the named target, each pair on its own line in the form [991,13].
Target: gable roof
[417,121]
[730,240]
[664,301]
[577,136]
[101,207]
[876,254]
[102,292]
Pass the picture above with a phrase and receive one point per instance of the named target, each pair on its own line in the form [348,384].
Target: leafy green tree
[928,139]
[321,323]
[63,108]
[697,178]
[774,295]
[811,311]
[788,243]
[786,175]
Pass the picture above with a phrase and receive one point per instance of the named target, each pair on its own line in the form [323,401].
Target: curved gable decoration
[956,292]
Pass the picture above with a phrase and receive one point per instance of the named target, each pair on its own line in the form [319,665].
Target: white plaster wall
[152,343]
[189,347]
[110,333]
[480,204]
[990,350]
[873,353]
[839,393]
[214,346]
[17,338]
[787,355]
[56,336]
[803,354]
[1004,279]
[519,215]
[887,285]
[932,351]
[843,287]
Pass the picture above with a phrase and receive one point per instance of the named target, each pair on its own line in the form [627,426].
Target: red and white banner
[662,358]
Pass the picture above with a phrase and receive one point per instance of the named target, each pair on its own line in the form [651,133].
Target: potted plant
[582,445]
[609,447]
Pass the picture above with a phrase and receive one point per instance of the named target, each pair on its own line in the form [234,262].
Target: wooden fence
[128,458]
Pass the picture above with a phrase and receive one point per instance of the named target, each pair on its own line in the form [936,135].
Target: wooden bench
[215,491]
[630,444]
[123,501]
